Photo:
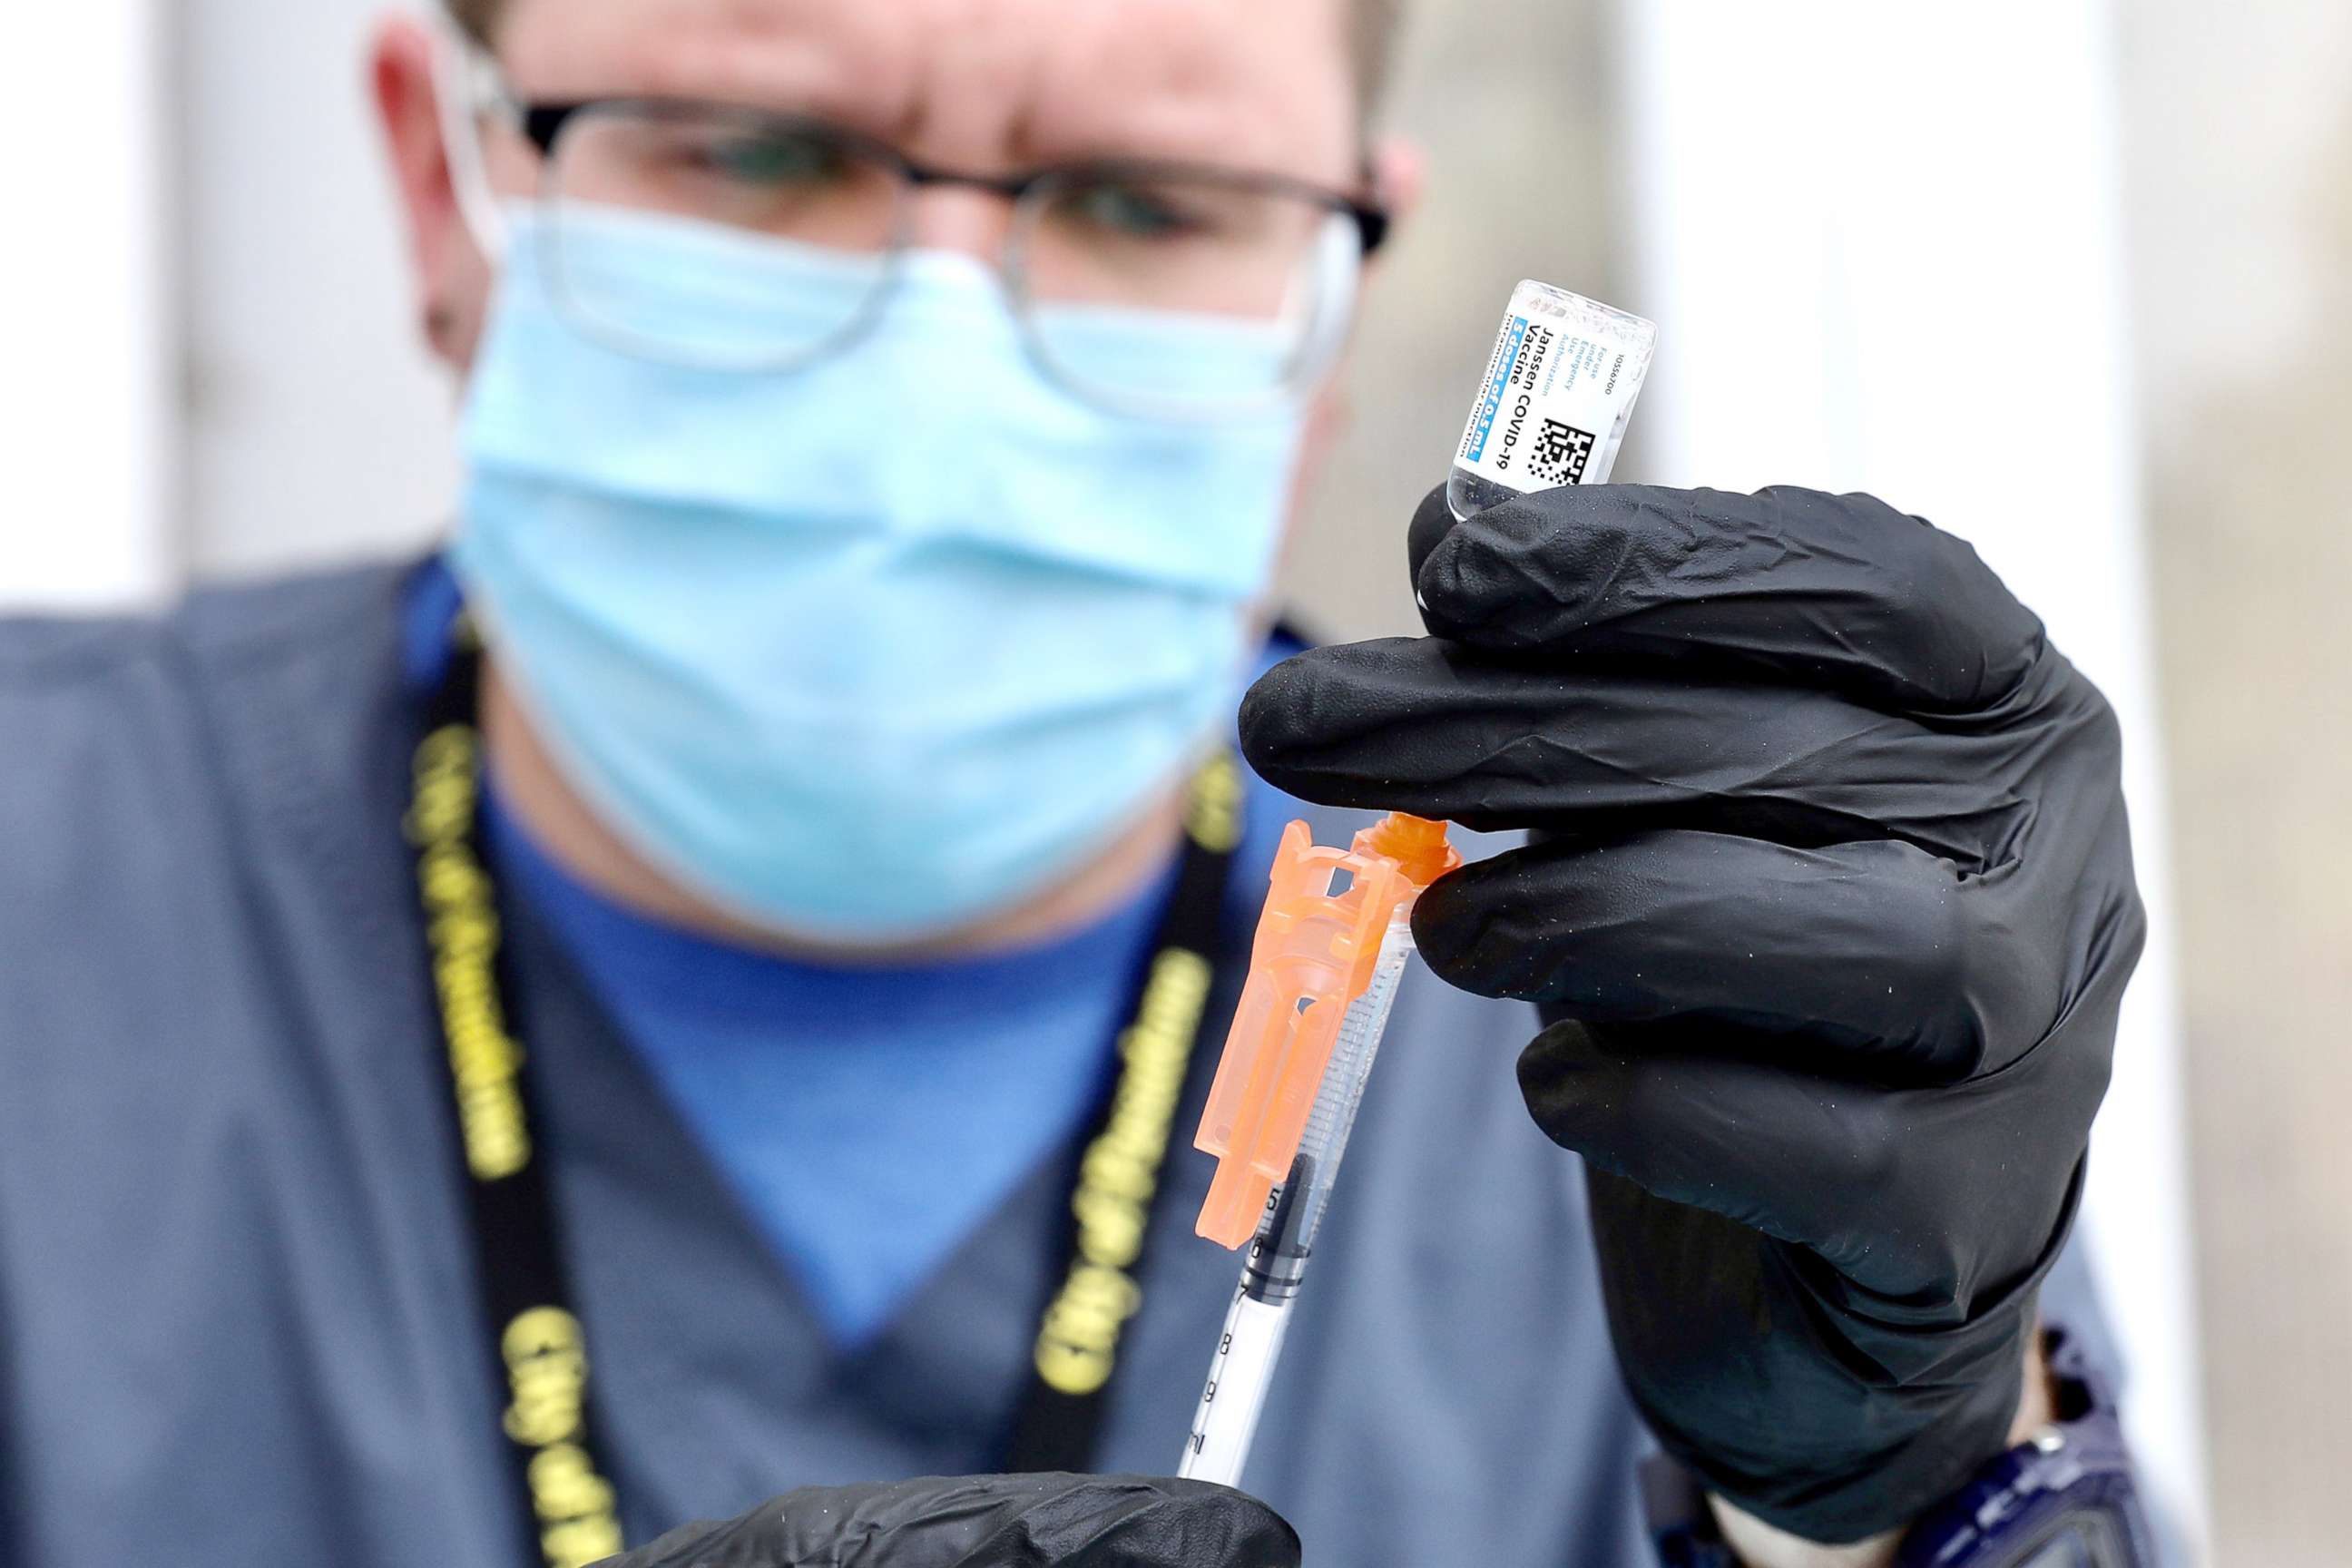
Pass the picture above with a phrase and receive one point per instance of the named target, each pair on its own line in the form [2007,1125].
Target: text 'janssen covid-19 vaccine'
[1558,395]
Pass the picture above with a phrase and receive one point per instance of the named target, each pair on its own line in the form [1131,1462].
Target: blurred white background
[2067,275]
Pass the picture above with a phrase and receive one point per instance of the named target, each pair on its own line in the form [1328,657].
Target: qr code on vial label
[1560,454]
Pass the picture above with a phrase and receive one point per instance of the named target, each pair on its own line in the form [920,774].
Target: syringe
[1322,981]
[1551,410]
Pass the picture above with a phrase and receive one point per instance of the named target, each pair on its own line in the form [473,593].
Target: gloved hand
[1003,1521]
[1831,900]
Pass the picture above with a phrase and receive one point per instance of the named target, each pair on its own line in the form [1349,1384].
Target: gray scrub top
[236,1314]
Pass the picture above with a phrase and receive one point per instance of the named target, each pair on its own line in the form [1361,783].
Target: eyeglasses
[1237,258]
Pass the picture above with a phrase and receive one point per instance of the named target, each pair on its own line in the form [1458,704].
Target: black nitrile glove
[990,1521]
[1833,896]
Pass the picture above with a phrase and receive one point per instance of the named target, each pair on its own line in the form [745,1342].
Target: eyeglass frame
[544,123]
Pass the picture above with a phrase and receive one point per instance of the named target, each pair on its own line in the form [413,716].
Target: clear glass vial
[1558,394]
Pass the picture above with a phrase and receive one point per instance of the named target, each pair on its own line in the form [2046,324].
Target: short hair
[1371,39]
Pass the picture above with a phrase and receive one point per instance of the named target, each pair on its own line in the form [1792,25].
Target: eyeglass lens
[1221,254]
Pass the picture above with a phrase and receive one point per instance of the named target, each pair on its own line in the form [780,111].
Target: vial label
[1558,395]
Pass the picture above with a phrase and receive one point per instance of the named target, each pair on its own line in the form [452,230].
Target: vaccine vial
[1558,393]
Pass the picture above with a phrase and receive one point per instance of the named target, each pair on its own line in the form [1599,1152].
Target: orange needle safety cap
[1315,954]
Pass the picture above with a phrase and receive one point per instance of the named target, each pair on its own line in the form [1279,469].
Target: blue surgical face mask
[869,650]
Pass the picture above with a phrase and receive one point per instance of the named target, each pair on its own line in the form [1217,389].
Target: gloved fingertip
[1445,930]
[1268,717]
[1301,721]
[1493,929]
[1454,932]
[1569,1047]
[1430,524]
[1568,1079]
[1246,1530]
[1534,555]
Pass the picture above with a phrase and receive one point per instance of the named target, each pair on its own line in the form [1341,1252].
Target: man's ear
[1399,170]
[452,278]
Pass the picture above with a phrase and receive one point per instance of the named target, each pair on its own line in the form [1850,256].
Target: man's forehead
[1229,80]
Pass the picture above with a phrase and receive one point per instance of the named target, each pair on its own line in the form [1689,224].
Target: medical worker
[701,990]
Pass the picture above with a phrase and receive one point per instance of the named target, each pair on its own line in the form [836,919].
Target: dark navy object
[2065,1499]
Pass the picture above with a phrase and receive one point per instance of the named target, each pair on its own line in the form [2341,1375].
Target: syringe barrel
[1224,1427]
[1294,1218]
[1242,1368]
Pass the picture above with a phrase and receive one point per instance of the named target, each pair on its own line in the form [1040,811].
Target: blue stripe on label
[1506,364]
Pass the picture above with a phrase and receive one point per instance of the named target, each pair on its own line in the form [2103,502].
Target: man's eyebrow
[1180,128]
[1209,110]
[797,70]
